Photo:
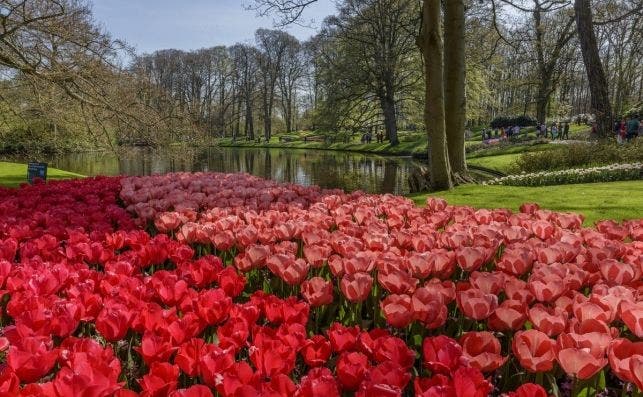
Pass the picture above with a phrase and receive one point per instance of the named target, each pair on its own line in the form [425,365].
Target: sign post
[36,170]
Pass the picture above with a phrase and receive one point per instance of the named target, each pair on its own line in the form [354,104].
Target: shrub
[506,121]
[610,173]
[577,155]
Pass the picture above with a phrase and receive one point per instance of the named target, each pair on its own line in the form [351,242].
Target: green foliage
[508,121]
[578,155]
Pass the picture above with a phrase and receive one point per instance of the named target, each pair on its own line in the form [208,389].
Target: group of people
[367,137]
[500,133]
[558,130]
[627,129]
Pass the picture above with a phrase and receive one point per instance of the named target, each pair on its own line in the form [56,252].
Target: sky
[150,25]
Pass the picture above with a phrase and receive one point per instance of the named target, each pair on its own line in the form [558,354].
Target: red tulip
[316,351]
[515,261]
[509,316]
[9,382]
[318,382]
[317,291]
[489,283]
[475,304]
[155,347]
[351,368]
[213,362]
[113,321]
[272,357]
[213,306]
[442,263]
[632,316]
[342,338]
[636,369]
[161,380]
[428,308]
[547,288]
[441,354]
[386,379]
[437,385]
[192,391]
[534,350]
[397,281]
[582,356]
[482,349]
[356,287]
[469,382]
[390,348]
[528,390]
[188,355]
[471,258]
[420,265]
[620,353]
[231,282]
[542,229]
[580,363]
[397,310]
[32,358]
[551,321]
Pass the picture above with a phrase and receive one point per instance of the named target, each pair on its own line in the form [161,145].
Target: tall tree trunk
[455,102]
[250,127]
[434,121]
[267,125]
[543,95]
[595,73]
[390,118]
[387,102]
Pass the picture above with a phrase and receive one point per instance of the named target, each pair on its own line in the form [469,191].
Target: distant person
[633,127]
[516,130]
[554,131]
[565,134]
[621,133]
[594,132]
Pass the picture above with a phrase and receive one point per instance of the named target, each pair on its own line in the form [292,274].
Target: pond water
[328,169]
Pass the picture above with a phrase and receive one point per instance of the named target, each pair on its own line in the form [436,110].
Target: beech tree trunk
[598,86]
[454,91]
[390,118]
[430,42]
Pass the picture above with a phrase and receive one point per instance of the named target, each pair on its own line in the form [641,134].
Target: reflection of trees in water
[349,171]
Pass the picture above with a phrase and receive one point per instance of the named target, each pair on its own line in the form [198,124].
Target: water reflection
[349,171]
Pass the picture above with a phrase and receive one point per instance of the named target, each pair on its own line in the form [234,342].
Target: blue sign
[36,170]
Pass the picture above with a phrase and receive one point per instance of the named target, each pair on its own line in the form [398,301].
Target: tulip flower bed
[230,285]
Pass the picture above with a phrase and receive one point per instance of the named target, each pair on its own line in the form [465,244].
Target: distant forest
[64,86]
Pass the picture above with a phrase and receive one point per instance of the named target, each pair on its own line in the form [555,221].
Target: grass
[596,201]
[500,162]
[13,174]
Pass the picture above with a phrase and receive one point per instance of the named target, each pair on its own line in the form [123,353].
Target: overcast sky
[151,25]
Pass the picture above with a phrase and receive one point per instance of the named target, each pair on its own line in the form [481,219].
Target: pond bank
[415,149]
[13,174]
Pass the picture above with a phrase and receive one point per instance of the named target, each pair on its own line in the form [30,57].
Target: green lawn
[501,162]
[613,200]
[13,174]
